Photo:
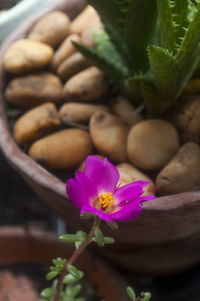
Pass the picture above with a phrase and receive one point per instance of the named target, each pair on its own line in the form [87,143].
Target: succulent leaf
[180,12]
[187,56]
[167,24]
[139,29]
[165,71]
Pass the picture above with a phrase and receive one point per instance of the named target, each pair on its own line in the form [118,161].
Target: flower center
[106,200]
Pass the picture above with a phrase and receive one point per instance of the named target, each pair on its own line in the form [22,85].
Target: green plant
[149,49]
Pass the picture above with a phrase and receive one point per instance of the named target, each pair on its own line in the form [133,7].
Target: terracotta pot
[164,239]
[33,246]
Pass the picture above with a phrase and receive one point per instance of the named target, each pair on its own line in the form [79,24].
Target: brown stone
[36,123]
[51,29]
[152,143]
[34,89]
[86,85]
[26,55]
[109,136]
[186,119]
[182,173]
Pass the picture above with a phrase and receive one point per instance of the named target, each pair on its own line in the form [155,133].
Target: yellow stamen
[106,199]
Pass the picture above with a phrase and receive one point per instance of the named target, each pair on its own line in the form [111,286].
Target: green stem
[74,257]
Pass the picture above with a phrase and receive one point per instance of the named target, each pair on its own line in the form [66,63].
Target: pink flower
[95,190]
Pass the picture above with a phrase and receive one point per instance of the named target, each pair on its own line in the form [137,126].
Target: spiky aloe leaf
[120,47]
[139,27]
[124,21]
[107,50]
[112,70]
[133,86]
[165,73]
[187,55]
[167,24]
[180,13]
[112,11]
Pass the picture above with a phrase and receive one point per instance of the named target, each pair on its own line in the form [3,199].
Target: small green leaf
[109,240]
[131,293]
[68,238]
[52,275]
[68,279]
[86,215]
[47,293]
[69,291]
[76,290]
[73,271]
[77,244]
[113,226]
[99,237]
[147,296]
[81,235]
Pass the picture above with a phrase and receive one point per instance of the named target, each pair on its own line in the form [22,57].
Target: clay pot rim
[19,245]
[19,160]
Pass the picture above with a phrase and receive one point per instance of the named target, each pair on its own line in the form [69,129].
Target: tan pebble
[86,85]
[36,123]
[128,174]
[72,65]
[152,143]
[64,51]
[62,150]
[78,112]
[186,119]
[87,36]
[82,21]
[31,90]
[109,136]
[126,111]
[26,56]
[82,165]
[51,29]
[193,86]
[182,172]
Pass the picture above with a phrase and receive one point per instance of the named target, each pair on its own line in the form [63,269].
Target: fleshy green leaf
[165,72]
[109,240]
[113,226]
[68,279]
[180,12]
[68,238]
[131,293]
[99,237]
[112,11]
[102,63]
[188,54]
[47,293]
[73,271]
[52,275]
[167,25]
[147,296]
[76,290]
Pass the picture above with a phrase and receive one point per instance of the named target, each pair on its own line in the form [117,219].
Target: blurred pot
[164,239]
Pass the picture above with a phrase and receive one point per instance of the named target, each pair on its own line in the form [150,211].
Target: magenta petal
[100,214]
[80,190]
[128,211]
[130,191]
[103,173]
